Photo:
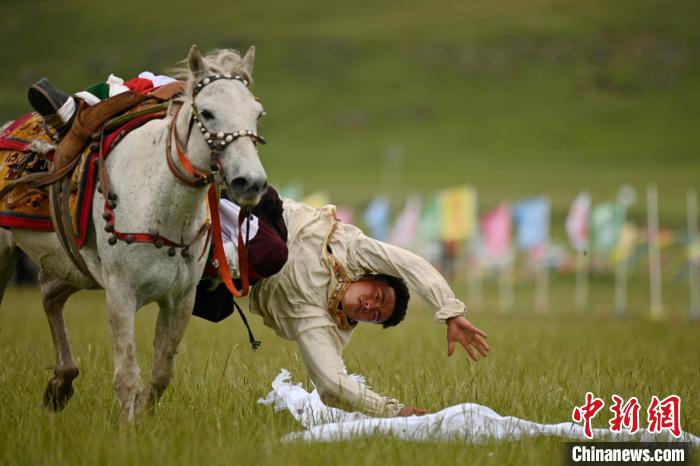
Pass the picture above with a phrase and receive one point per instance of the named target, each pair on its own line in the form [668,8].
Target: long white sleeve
[370,255]
[321,354]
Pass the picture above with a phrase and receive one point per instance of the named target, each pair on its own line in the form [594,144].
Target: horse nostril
[259,186]
[255,186]
[240,183]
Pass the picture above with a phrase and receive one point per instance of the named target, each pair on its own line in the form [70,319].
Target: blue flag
[376,217]
[532,222]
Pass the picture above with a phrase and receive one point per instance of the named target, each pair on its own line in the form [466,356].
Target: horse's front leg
[173,316]
[121,309]
[54,294]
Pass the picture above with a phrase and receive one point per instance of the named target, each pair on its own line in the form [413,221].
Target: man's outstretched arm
[379,257]
[321,354]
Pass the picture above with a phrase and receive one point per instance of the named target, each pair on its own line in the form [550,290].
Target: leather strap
[149,238]
[188,175]
[55,175]
[219,254]
[59,204]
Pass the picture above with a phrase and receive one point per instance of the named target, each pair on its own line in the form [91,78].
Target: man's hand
[472,338]
[412,411]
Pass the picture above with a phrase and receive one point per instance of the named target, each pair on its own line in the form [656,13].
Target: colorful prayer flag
[532,222]
[344,214]
[317,199]
[606,225]
[429,225]
[577,221]
[496,233]
[406,225]
[458,212]
[293,190]
[376,217]
[429,231]
[694,251]
[626,243]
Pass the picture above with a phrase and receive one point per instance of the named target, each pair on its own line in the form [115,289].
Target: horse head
[223,121]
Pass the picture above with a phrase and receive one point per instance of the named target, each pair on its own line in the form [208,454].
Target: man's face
[369,301]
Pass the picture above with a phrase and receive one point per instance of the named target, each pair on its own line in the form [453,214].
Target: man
[335,277]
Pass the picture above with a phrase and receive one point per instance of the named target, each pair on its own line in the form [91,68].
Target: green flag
[606,224]
[429,226]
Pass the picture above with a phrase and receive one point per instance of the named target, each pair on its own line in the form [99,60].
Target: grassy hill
[543,97]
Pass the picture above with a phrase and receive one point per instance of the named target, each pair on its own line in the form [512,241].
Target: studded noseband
[218,141]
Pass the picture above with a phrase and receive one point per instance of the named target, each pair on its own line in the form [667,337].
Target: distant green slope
[518,98]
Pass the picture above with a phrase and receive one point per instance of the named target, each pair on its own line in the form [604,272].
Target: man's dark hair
[402,296]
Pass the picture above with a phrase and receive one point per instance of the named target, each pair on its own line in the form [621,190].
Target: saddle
[49,188]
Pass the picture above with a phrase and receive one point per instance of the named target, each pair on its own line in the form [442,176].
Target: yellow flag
[317,199]
[625,244]
[694,250]
[458,212]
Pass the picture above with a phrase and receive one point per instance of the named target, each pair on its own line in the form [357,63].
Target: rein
[189,175]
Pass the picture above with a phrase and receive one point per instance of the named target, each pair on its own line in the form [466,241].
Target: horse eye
[207,115]
[262,114]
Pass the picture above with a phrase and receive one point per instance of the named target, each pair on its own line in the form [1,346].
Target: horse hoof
[146,402]
[57,394]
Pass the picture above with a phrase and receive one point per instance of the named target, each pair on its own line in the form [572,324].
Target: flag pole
[474,274]
[692,206]
[476,295]
[625,197]
[654,253]
[505,287]
[510,283]
[577,227]
[621,287]
[542,284]
[582,264]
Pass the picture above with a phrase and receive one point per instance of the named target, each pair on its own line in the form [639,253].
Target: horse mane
[218,61]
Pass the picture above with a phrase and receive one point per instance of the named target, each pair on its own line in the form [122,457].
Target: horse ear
[196,63]
[247,61]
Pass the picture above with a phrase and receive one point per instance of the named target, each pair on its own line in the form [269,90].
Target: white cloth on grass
[468,422]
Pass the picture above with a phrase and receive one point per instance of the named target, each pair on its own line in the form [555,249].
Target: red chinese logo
[587,412]
[626,415]
[661,415]
[665,415]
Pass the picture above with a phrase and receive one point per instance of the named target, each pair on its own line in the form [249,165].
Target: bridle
[216,141]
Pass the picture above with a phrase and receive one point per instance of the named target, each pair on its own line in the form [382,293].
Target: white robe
[294,302]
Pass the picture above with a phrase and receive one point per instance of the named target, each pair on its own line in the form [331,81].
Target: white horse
[218,111]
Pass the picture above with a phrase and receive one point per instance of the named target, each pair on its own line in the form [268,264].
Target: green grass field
[517,98]
[540,367]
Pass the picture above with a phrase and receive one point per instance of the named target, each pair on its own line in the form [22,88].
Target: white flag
[577,221]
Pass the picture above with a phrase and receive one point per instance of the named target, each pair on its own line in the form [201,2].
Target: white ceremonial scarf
[467,422]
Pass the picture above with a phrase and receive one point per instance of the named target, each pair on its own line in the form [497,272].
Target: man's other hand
[472,338]
[412,411]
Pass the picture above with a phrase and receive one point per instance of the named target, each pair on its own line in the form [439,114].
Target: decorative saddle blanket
[20,153]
